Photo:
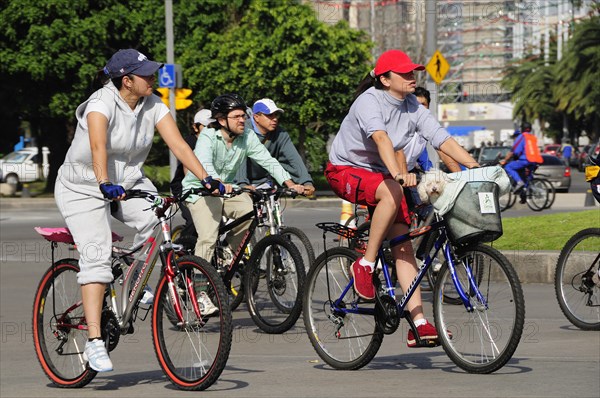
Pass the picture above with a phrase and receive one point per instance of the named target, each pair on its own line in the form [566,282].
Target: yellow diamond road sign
[437,67]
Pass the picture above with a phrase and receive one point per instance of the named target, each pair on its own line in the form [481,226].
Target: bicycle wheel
[577,294]
[537,195]
[302,242]
[192,353]
[344,340]
[551,194]
[484,339]
[507,201]
[273,284]
[59,327]
[176,232]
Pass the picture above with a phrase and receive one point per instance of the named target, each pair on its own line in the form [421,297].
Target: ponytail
[102,78]
[369,81]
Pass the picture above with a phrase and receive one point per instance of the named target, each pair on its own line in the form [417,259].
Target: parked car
[24,166]
[593,151]
[551,149]
[555,171]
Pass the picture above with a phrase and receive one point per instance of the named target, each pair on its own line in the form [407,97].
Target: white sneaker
[206,305]
[148,297]
[97,356]
[518,186]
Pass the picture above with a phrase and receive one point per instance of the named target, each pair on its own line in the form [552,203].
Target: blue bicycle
[478,302]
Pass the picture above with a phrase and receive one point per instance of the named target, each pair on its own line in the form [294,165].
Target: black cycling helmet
[223,104]
[525,127]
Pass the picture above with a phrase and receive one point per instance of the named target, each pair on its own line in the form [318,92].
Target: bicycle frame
[157,245]
[440,243]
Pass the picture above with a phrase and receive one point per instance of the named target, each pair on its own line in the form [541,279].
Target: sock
[420,322]
[94,338]
[366,263]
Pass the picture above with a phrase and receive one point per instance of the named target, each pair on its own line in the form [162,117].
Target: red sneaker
[426,332]
[363,280]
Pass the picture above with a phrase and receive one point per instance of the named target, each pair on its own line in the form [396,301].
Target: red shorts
[358,185]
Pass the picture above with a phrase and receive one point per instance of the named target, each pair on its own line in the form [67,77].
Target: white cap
[266,106]
[203,117]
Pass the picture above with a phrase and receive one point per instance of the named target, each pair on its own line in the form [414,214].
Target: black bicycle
[270,276]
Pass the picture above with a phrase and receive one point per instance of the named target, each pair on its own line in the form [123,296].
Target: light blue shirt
[222,162]
[405,122]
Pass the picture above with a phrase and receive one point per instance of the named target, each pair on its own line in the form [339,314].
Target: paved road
[554,359]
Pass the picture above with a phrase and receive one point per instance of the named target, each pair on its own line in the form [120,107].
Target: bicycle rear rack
[342,230]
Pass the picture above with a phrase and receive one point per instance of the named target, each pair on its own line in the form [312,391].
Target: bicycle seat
[63,235]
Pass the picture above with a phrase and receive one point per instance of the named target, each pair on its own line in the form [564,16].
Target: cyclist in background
[525,152]
[566,151]
[222,147]
[201,120]
[265,123]
[115,127]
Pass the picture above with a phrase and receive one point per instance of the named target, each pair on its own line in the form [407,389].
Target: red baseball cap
[395,61]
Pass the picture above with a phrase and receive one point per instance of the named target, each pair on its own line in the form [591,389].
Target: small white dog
[432,185]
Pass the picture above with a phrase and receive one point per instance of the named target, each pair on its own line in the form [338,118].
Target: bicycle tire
[176,232]
[193,355]
[358,339]
[577,294]
[551,193]
[482,340]
[59,350]
[273,285]
[537,195]
[507,201]
[302,242]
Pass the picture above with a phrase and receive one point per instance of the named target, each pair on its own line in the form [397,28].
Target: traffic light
[164,95]
[181,94]
[181,101]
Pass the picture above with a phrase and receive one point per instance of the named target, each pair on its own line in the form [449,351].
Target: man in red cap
[367,166]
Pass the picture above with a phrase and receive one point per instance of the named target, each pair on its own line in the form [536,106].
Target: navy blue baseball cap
[124,62]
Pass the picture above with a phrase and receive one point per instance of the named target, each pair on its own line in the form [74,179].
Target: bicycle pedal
[428,343]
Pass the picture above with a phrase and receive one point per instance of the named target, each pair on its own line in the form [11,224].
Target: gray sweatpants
[88,218]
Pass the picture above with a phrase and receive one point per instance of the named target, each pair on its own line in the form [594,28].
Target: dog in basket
[432,185]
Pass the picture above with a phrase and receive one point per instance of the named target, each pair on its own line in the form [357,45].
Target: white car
[23,166]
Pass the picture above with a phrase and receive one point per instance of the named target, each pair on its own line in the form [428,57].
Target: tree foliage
[281,51]
[51,51]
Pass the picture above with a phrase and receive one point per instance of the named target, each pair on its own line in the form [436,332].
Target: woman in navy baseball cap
[115,130]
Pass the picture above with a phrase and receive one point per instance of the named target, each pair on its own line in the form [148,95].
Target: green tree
[280,50]
[52,49]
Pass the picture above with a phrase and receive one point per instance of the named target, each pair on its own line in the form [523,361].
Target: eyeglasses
[243,116]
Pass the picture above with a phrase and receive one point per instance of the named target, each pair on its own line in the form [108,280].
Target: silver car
[555,171]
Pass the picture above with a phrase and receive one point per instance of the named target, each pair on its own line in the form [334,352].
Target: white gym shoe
[206,305]
[97,356]
[148,297]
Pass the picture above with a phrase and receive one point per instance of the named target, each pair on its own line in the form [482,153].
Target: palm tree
[577,89]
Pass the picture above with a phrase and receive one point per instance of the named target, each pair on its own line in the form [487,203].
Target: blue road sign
[166,76]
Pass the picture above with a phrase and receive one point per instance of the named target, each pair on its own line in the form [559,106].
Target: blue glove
[211,185]
[111,191]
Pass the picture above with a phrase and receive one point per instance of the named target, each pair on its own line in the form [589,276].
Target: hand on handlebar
[406,180]
[216,186]
[309,190]
[298,188]
[112,192]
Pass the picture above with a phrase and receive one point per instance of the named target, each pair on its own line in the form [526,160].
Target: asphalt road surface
[554,359]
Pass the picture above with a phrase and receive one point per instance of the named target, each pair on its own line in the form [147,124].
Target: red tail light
[567,172]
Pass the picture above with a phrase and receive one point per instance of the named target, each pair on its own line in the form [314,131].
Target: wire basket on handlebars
[475,215]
